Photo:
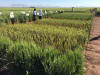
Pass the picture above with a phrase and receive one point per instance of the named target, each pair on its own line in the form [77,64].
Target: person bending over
[12,17]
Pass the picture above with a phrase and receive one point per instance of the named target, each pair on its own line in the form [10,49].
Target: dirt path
[92,52]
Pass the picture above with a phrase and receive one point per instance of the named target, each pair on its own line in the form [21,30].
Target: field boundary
[92,54]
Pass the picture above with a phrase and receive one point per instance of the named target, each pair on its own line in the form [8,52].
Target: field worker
[27,14]
[34,14]
[12,17]
[46,15]
[45,12]
[40,14]
[27,17]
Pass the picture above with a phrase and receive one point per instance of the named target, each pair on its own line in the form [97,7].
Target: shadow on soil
[95,38]
[98,14]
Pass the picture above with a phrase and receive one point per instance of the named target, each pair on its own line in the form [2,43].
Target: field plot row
[51,46]
[76,16]
[65,23]
[23,18]
[59,37]
[52,9]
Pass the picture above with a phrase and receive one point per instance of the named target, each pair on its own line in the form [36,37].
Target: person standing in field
[34,14]
[12,17]
[46,15]
[40,14]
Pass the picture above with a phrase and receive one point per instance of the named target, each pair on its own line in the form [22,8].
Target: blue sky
[62,3]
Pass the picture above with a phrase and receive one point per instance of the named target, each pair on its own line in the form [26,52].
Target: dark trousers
[12,20]
[34,17]
[40,17]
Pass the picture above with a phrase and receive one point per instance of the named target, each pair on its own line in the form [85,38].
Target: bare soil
[92,53]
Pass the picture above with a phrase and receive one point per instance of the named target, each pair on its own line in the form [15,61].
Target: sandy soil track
[92,53]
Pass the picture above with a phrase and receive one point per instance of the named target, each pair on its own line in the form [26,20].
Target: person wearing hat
[12,17]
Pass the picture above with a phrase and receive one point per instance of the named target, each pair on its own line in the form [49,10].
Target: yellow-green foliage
[26,58]
[65,23]
[22,18]
[44,47]
[76,16]
[53,9]
[60,37]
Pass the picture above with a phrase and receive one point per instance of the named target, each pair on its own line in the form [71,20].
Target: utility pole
[72,9]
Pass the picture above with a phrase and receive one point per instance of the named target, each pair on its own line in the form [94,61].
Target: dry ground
[92,53]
